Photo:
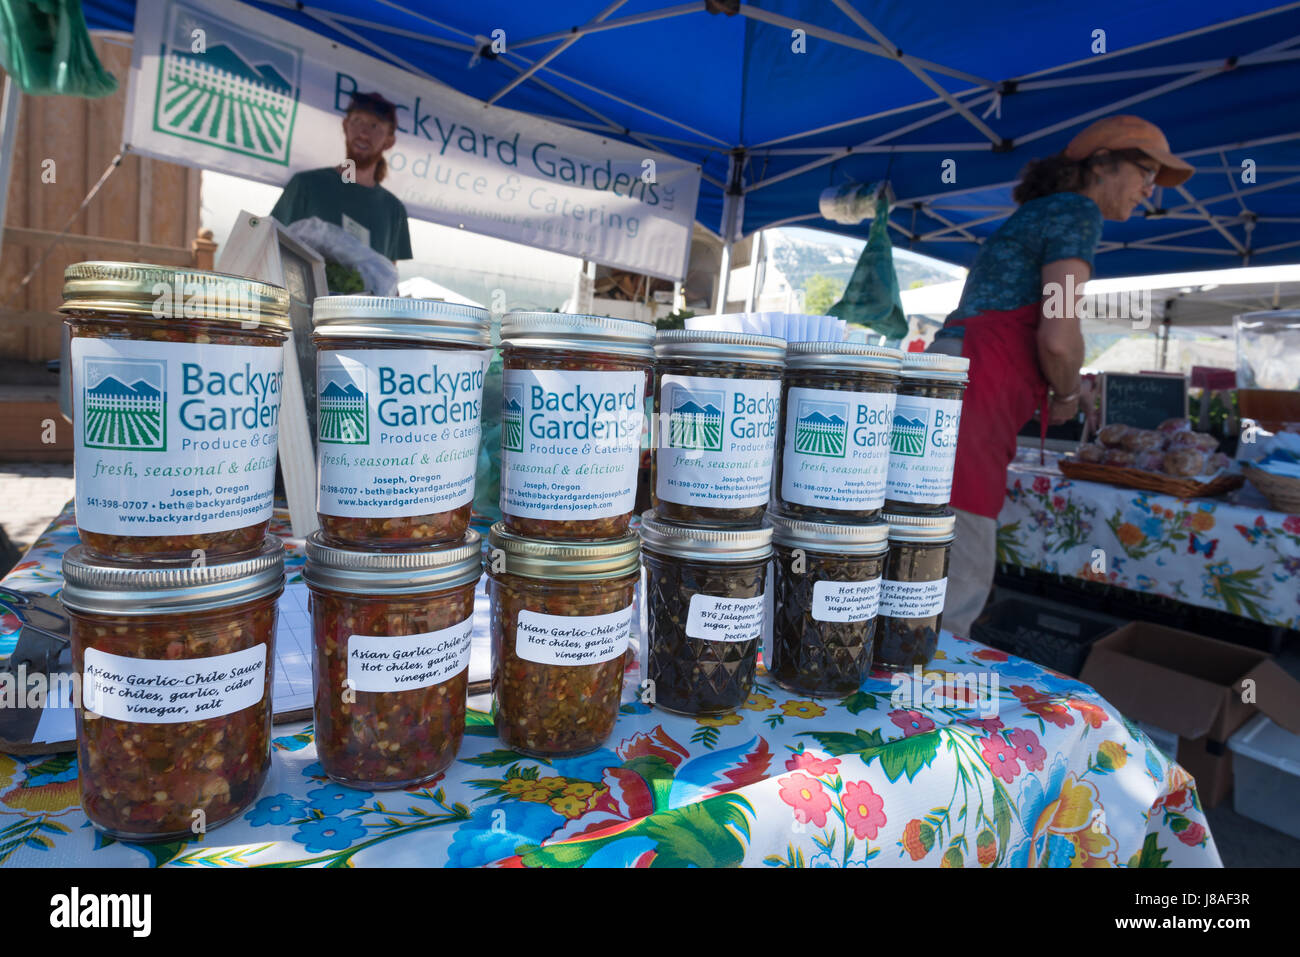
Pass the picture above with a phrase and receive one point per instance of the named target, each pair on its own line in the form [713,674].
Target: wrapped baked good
[1118,457]
[1150,461]
[1090,453]
[1175,425]
[1184,463]
[1201,441]
[1216,462]
[1143,440]
[1111,435]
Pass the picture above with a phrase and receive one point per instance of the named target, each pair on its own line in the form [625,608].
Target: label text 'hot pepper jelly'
[391,636]
[562,616]
[704,613]
[176,379]
[837,416]
[176,662]
[913,592]
[717,405]
[572,413]
[826,592]
[399,400]
[927,415]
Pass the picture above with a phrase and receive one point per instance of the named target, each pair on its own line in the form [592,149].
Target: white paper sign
[156,691]
[405,662]
[725,619]
[572,639]
[261,98]
[845,601]
[912,599]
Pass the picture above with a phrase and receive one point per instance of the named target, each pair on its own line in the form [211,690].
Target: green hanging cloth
[45,47]
[872,298]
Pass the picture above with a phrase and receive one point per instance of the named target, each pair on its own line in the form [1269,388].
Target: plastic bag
[337,245]
[872,298]
[45,47]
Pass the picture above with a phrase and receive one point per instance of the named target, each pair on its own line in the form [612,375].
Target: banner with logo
[224,86]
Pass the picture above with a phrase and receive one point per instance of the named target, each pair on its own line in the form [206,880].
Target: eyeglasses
[1148,174]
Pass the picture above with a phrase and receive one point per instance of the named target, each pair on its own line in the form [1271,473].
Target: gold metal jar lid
[850,356]
[363,572]
[397,317]
[582,560]
[112,588]
[173,293]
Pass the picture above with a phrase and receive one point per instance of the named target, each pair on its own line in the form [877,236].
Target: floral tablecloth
[1207,552]
[1035,770]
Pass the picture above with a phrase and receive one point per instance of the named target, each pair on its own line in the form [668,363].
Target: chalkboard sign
[1144,400]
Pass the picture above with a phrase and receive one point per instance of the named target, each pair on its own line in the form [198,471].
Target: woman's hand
[1061,411]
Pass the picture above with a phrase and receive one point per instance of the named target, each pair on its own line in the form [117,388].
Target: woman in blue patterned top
[1025,356]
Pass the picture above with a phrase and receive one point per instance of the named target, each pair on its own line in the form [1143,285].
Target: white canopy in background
[418,287]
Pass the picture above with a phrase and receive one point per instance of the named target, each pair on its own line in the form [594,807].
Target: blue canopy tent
[779,99]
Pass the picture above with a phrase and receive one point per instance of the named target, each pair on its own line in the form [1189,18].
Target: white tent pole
[1244,144]
[870,117]
[1273,249]
[1209,217]
[1175,249]
[1251,59]
[955,192]
[731,199]
[555,51]
[9,108]
[755,260]
[424,37]
[926,237]
[1232,181]
[600,25]
[866,26]
[1245,192]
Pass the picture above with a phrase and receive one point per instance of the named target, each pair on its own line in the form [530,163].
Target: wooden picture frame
[259,247]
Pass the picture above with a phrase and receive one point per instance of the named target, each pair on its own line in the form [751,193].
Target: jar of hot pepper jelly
[176,379]
[826,590]
[399,400]
[175,725]
[717,402]
[572,413]
[704,613]
[927,416]
[562,616]
[913,592]
[837,412]
[391,637]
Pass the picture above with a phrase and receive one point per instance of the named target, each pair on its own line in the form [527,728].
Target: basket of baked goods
[1277,476]
[1171,459]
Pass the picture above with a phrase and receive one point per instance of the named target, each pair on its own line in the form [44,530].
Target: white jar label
[725,619]
[158,691]
[397,430]
[570,443]
[174,438]
[845,601]
[923,449]
[572,639]
[836,448]
[407,662]
[716,438]
[912,599]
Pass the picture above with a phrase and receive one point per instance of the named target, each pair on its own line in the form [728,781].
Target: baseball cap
[1131,133]
[374,103]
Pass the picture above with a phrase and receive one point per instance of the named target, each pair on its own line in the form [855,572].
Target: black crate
[1055,637]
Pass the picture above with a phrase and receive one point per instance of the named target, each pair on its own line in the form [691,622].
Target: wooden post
[204,249]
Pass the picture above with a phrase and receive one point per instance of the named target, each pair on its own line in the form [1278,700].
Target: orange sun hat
[1131,133]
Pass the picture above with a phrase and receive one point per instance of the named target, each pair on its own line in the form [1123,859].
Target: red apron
[1006,388]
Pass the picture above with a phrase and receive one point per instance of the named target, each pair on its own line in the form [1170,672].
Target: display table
[1206,552]
[1040,771]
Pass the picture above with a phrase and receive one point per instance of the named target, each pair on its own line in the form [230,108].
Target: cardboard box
[1199,688]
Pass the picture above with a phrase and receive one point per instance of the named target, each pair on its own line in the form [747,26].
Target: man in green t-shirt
[349,195]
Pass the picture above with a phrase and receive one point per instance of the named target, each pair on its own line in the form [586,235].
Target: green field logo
[910,424]
[344,414]
[695,420]
[512,418]
[822,429]
[233,91]
[124,405]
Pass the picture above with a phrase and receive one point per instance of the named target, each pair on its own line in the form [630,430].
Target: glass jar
[176,380]
[837,412]
[174,732]
[915,585]
[562,616]
[399,403]
[826,589]
[572,414]
[704,613]
[391,642]
[717,403]
[927,415]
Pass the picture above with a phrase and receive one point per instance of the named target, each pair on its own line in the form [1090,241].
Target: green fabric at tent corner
[872,298]
[45,47]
